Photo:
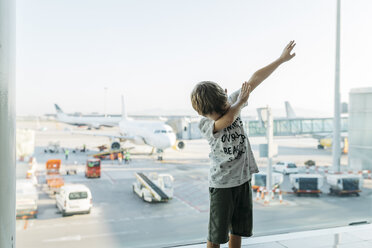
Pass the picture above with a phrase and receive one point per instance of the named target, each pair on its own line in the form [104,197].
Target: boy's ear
[226,91]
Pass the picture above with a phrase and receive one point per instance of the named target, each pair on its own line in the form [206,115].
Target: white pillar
[270,146]
[7,123]
[336,149]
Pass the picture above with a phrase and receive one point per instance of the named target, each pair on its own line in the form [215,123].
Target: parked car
[74,199]
[286,167]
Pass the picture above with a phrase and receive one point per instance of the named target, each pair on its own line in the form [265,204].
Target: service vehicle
[54,179]
[53,147]
[26,199]
[69,169]
[345,184]
[259,180]
[110,154]
[286,168]
[74,199]
[155,188]
[306,183]
[93,168]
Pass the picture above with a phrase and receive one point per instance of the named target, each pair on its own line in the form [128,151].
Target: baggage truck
[344,184]
[155,188]
[306,183]
[53,177]
[26,199]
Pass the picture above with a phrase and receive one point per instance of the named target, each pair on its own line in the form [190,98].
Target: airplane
[156,134]
[90,121]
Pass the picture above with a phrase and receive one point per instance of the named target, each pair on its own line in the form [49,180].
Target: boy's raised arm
[228,118]
[260,75]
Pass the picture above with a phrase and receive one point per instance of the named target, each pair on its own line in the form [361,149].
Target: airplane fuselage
[153,133]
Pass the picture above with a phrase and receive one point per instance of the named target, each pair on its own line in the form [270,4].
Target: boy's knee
[212,245]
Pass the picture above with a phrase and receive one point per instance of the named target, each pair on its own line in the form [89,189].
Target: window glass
[78,195]
[72,72]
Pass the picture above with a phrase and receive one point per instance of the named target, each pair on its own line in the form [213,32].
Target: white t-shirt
[232,161]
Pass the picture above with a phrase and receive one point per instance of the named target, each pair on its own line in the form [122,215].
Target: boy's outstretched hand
[244,93]
[286,54]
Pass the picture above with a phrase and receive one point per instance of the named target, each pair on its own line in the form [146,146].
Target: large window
[75,59]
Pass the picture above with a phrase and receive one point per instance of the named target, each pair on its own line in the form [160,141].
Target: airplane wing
[111,136]
[319,136]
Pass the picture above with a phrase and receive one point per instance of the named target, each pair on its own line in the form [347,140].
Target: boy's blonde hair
[208,97]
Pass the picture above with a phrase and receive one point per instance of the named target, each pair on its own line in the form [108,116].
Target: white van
[73,199]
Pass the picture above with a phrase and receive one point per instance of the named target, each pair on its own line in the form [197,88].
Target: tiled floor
[340,237]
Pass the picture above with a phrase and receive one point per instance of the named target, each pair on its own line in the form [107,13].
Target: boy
[231,155]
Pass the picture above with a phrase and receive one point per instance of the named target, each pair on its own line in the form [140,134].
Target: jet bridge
[297,126]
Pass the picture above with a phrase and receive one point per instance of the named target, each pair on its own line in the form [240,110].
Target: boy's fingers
[290,49]
[246,86]
[290,43]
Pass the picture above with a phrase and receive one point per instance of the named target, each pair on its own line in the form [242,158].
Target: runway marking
[111,179]
[132,169]
[188,204]
[80,237]
[111,220]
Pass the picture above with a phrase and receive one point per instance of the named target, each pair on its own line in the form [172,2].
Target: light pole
[105,106]
[336,149]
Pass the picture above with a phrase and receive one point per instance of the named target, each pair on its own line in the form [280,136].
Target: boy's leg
[242,220]
[235,241]
[220,213]
[212,245]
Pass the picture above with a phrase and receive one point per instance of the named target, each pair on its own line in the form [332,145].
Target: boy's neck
[215,116]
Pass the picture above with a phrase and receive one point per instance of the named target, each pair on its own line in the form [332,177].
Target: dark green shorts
[230,211]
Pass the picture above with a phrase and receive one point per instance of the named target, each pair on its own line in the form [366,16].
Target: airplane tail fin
[123,110]
[58,109]
[289,110]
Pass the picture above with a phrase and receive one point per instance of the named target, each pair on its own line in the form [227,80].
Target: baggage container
[345,184]
[306,183]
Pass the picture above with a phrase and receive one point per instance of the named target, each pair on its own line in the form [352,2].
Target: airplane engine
[115,145]
[180,145]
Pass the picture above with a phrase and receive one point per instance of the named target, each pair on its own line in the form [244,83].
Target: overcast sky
[154,52]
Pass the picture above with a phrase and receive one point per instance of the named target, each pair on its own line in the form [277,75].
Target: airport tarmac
[119,218]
